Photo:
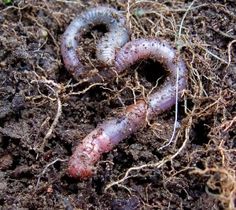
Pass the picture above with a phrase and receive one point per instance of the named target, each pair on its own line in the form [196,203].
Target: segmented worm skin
[115,38]
[111,132]
[163,53]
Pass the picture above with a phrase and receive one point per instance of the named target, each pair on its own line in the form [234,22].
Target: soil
[44,113]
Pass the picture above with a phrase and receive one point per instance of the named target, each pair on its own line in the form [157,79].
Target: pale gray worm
[114,39]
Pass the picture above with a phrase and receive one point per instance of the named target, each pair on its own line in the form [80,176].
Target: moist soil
[45,113]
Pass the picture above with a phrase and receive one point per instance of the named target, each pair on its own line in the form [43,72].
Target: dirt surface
[44,114]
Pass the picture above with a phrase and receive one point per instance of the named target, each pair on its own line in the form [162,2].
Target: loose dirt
[44,112]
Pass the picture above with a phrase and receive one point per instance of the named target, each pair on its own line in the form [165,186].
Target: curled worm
[115,38]
[111,132]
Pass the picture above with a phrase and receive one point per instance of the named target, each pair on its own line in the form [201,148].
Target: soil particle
[125,204]
[18,102]
[5,110]
[22,171]
[5,162]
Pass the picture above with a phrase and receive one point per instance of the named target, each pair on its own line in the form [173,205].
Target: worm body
[163,53]
[115,38]
[110,133]
[103,139]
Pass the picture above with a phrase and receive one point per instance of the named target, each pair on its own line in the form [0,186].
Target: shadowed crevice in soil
[200,132]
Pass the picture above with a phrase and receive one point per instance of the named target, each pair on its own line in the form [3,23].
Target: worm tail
[104,138]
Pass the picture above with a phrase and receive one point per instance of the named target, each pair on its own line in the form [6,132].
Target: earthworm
[111,132]
[115,38]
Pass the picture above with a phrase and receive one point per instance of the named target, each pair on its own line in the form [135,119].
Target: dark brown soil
[37,135]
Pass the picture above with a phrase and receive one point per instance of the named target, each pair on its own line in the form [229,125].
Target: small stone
[18,102]
[6,162]
[42,33]
[3,186]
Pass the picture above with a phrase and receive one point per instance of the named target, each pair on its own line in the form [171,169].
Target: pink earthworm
[111,132]
[114,39]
